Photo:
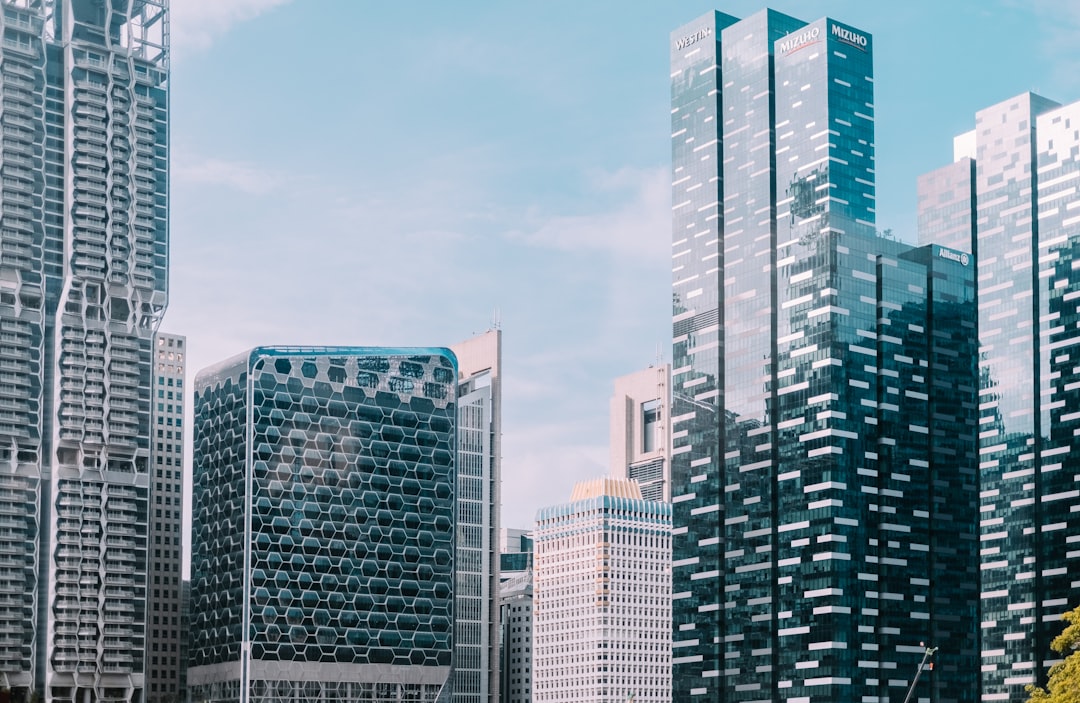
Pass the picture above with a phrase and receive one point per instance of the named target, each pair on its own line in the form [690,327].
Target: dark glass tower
[1017,206]
[166,633]
[823,423]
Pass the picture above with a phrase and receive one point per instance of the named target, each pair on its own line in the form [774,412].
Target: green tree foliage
[1064,683]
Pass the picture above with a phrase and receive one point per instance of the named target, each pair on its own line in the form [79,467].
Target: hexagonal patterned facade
[323,525]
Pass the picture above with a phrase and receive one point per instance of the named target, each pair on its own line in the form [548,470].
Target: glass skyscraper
[823,430]
[83,285]
[323,526]
[1010,200]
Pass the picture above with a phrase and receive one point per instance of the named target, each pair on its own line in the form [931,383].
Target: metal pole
[927,653]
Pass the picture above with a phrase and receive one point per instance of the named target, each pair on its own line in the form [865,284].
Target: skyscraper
[602,597]
[640,441]
[323,525]
[165,632]
[476,621]
[515,615]
[1010,200]
[83,285]
[823,470]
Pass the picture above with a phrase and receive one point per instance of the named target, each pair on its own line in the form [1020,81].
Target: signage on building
[794,42]
[958,257]
[849,37]
[693,38]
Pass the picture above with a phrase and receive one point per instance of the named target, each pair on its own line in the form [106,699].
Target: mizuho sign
[849,37]
[798,41]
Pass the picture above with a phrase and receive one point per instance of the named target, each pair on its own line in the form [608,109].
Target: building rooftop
[607,486]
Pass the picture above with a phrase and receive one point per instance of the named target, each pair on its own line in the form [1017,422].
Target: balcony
[89,147]
[67,538]
[115,580]
[90,109]
[92,93]
[22,148]
[15,121]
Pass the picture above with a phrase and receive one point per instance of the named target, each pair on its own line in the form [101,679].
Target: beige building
[640,431]
[602,597]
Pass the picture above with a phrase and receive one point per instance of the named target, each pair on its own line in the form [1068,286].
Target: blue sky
[349,172]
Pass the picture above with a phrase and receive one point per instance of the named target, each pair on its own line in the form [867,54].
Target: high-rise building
[476,620]
[83,285]
[1010,200]
[515,614]
[823,433]
[640,441]
[165,632]
[323,525]
[185,640]
[516,618]
[602,597]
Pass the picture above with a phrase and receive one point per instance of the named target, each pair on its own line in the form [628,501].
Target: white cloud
[195,24]
[637,226]
[237,175]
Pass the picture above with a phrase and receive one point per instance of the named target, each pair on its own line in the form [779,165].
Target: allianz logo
[951,255]
[693,38]
[799,40]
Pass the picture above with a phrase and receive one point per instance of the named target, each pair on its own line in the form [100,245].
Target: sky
[350,172]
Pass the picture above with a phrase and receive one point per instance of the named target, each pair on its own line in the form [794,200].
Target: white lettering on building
[693,38]
[951,255]
[849,37]
[798,41]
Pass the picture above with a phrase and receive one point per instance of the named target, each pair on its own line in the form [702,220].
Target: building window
[650,425]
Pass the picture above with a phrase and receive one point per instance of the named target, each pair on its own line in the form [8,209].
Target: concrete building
[323,525]
[824,461]
[640,436]
[515,552]
[84,249]
[476,622]
[1009,199]
[602,597]
[516,619]
[514,539]
[165,632]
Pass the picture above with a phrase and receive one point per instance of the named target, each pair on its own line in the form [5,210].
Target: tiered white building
[602,597]
[84,248]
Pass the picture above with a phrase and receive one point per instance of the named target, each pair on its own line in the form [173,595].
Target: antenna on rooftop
[496,322]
